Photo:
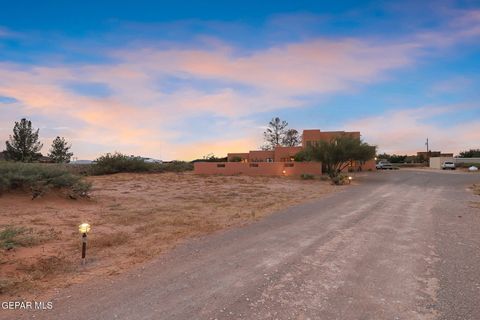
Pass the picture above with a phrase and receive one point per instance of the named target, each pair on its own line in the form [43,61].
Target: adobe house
[279,161]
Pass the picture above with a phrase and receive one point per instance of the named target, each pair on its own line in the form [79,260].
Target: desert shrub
[39,179]
[339,180]
[174,166]
[117,162]
[476,189]
[467,165]
[11,237]
[306,176]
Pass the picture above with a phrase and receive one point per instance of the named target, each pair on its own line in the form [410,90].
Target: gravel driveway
[401,245]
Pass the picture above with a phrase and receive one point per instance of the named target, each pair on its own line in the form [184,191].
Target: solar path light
[84,228]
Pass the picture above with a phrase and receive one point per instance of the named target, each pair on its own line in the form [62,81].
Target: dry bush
[46,266]
[476,189]
[39,179]
[11,237]
[110,240]
[7,285]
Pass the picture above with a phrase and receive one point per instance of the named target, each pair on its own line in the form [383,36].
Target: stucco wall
[436,162]
[317,135]
[231,156]
[261,155]
[282,153]
[259,169]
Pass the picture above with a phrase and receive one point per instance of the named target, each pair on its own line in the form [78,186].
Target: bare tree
[292,138]
[275,133]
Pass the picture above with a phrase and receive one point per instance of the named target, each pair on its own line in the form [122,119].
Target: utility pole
[427,145]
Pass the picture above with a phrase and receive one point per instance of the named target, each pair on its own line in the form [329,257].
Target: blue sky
[179,80]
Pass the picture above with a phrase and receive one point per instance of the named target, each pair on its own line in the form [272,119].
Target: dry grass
[46,266]
[476,189]
[134,217]
[12,237]
[109,240]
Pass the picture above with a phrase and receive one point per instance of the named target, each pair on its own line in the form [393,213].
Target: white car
[448,165]
[384,165]
[473,168]
[150,160]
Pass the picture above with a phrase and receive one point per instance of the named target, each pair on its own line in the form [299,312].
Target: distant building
[280,160]
[430,154]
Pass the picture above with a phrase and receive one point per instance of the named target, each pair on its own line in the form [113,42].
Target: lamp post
[84,228]
[350,179]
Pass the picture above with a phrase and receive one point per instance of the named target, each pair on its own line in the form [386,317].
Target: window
[221,165]
[288,164]
[254,165]
[269,160]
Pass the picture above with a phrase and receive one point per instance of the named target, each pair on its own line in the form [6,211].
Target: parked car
[473,168]
[150,160]
[448,165]
[384,165]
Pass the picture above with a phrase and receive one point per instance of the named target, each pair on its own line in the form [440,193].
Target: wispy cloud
[128,103]
[405,131]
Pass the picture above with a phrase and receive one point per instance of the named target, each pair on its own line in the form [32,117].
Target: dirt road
[401,245]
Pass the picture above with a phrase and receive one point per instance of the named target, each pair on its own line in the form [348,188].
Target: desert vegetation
[118,162]
[337,154]
[134,217]
[38,179]
[476,189]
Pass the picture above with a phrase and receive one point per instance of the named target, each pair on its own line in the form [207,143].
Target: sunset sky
[182,79]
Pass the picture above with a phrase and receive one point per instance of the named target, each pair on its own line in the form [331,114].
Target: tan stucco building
[279,161]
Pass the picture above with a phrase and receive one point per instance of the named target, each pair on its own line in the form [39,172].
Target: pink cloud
[138,115]
[405,131]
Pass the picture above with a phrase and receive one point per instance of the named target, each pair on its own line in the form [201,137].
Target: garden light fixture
[84,228]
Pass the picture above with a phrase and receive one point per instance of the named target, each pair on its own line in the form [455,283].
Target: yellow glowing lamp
[84,228]
[284,171]
[350,178]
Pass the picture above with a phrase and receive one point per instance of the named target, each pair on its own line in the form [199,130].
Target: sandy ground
[401,245]
[134,218]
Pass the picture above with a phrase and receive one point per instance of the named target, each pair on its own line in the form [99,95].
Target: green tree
[274,133]
[23,145]
[291,138]
[472,153]
[337,153]
[394,158]
[59,152]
